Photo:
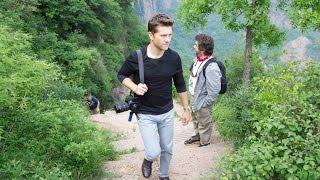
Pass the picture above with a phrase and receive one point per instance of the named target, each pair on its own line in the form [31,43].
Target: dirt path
[188,162]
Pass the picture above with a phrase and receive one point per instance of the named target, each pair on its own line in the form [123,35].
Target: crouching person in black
[93,104]
[162,66]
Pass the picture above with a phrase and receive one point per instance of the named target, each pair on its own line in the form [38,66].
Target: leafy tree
[250,16]
[304,14]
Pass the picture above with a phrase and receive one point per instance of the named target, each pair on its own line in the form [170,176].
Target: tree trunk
[247,58]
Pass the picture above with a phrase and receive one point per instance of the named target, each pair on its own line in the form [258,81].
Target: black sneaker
[164,178]
[146,168]
[192,139]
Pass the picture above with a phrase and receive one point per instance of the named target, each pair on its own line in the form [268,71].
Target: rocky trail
[188,162]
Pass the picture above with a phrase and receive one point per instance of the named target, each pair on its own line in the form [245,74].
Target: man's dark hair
[159,20]
[205,43]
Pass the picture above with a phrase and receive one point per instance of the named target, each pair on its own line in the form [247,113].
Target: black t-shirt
[158,74]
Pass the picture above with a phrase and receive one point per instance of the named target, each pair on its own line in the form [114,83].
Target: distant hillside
[296,46]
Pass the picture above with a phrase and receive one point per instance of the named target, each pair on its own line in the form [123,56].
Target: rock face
[148,8]
[151,7]
[296,49]
[168,4]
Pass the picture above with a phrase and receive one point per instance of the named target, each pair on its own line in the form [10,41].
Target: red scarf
[202,58]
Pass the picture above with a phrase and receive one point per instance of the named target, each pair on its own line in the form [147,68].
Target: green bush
[232,112]
[31,170]
[55,133]
[22,77]
[285,141]
[86,39]
[63,91]
[234,67]
[232,116]
[51,54]
[43,133]
[224,116]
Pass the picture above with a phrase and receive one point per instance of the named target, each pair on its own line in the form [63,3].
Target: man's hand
[141,89]
[185,117]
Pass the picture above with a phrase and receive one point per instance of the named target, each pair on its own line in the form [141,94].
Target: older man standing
[204,86]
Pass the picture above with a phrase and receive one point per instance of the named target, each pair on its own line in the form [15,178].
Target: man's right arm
[129,67]
[129,84]
[139,89]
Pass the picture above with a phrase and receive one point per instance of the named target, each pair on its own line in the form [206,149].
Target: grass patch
[128,151]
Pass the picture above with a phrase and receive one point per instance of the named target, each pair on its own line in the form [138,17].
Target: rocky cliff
[147,8]
[296,50]
[150,7]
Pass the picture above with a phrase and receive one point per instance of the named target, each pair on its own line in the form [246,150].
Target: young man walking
[204,87]
[161,66]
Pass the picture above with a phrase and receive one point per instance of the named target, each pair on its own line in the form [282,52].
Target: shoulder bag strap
[141,70]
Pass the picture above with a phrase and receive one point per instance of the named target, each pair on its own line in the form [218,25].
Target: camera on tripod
[130,103]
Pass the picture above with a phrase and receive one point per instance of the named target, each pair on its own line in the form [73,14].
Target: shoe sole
[204,145]
[195,142]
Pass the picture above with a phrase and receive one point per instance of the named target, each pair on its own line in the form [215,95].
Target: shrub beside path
[188,162]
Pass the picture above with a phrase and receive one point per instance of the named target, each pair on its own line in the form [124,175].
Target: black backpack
[222,68]
[224,81]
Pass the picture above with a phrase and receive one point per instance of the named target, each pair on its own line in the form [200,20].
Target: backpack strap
[206,65]
[141,69]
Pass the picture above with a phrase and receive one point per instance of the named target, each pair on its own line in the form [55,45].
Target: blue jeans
[157,135]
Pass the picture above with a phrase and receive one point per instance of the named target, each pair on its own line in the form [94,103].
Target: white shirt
[196,69]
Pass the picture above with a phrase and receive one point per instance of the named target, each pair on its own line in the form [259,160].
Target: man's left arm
[180,85]
[182,90]
[186,109]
